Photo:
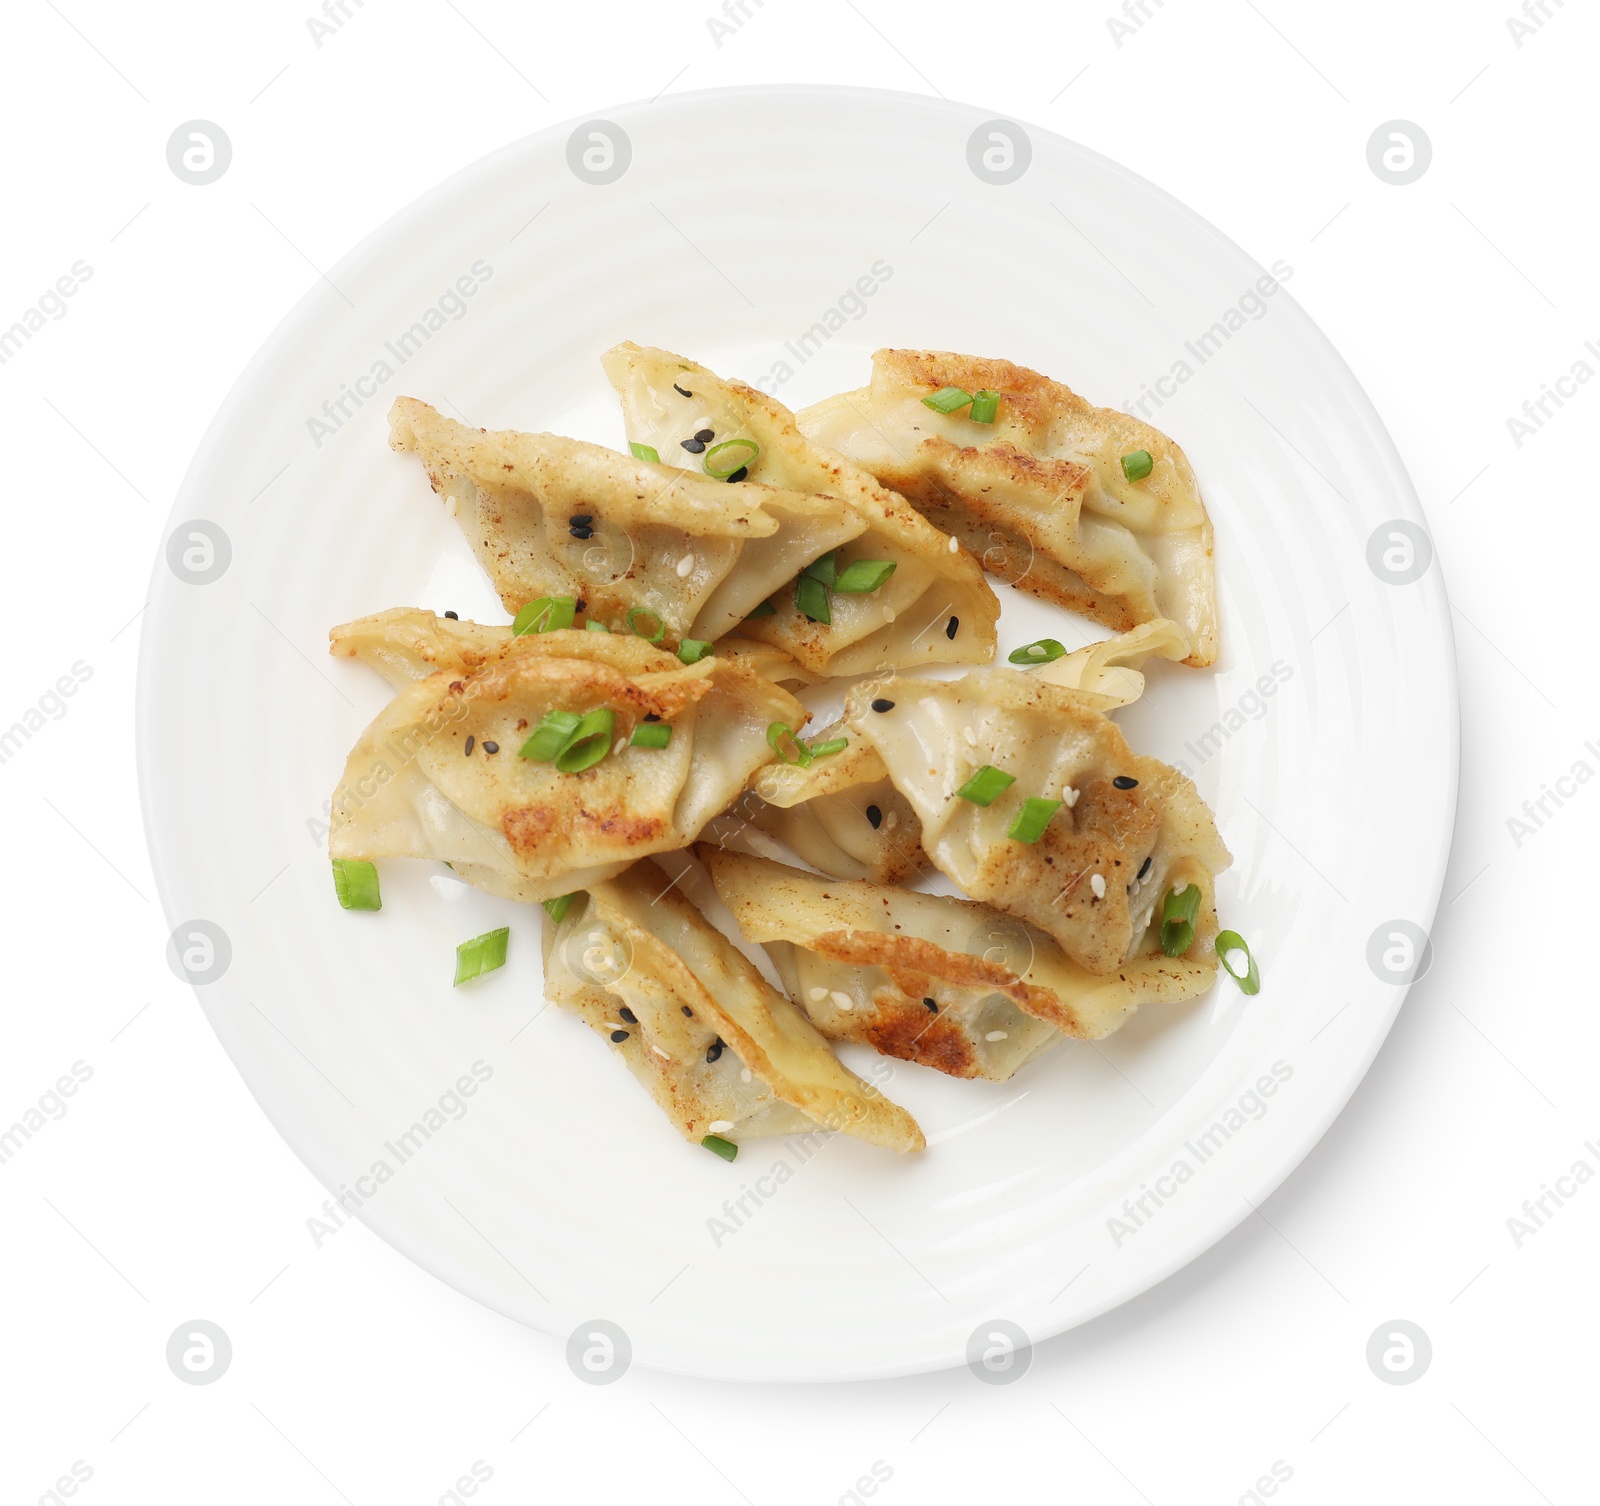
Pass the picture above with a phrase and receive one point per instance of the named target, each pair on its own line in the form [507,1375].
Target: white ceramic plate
[555,1192]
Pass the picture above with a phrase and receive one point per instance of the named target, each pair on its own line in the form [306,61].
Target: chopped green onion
[985,405]
[766,609]
[1178,911]
[557,908]
[595,627]
[554,732]
[1033,818]
[722,460]
[693,650]
[947,399]
[720,1147]
[1041,652]
[825,569]
[1228,943]
[833,745]
[545,615]
[811,597]
[788,747]
[644,452]
[987,785]
[635,613]
[651,735]
[356,884]
[590,743]
[483,954]
[861,576]
[1138,465]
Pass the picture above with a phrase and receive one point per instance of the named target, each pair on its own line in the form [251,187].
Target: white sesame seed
[685,565]
[995,1035]
[971,737]
[618,746]
[1069,796]
[744,1076]
[842,1000]
[892,820]
[662,1054]
[888,614]
[954,546]
[717,1126]
[450,503]
[818,995]
[1097,883]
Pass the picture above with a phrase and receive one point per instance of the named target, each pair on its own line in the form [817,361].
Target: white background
[162,1195]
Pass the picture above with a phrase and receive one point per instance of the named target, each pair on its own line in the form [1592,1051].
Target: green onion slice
[985,405]
[595,627]
[1178,911]
[1229,944]
[788,747]
[833,745]
[483,954]
[947,399]
[545,615]
[651,735]
[644,452]
[356,884]
[1041,652]
[693,650]
[554,732]
[722,460]
[720,1147]
[811,597]
[1032,819]
[987,785]
[635,614]
[590,743]
[825,569]
[861,576]
[557,908]
[766,609]
[1138,465]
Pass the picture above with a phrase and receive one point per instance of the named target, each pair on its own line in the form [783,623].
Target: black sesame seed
[580,531]
[489,747]
[688,1013]
[679,390]
[628,1015]
[453,616]
[1122,782]
[694,446]
[619,1036]
[932,1007]
[739,475]
[1144,870]
[650,716]
[470,741]
[875,816]
[714,1050]
[582,519]
[705,436]
[882,705]
[951,627]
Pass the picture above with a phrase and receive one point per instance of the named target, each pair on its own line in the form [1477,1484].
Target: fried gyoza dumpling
[548,516]
[946,982]
[935,608]
[408,643]
[441,772]
[840,813]
[1107,674]
[1031,800]
[713,1043]
[1040,493]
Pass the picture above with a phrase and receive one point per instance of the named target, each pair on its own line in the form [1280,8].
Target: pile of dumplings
[633,739]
